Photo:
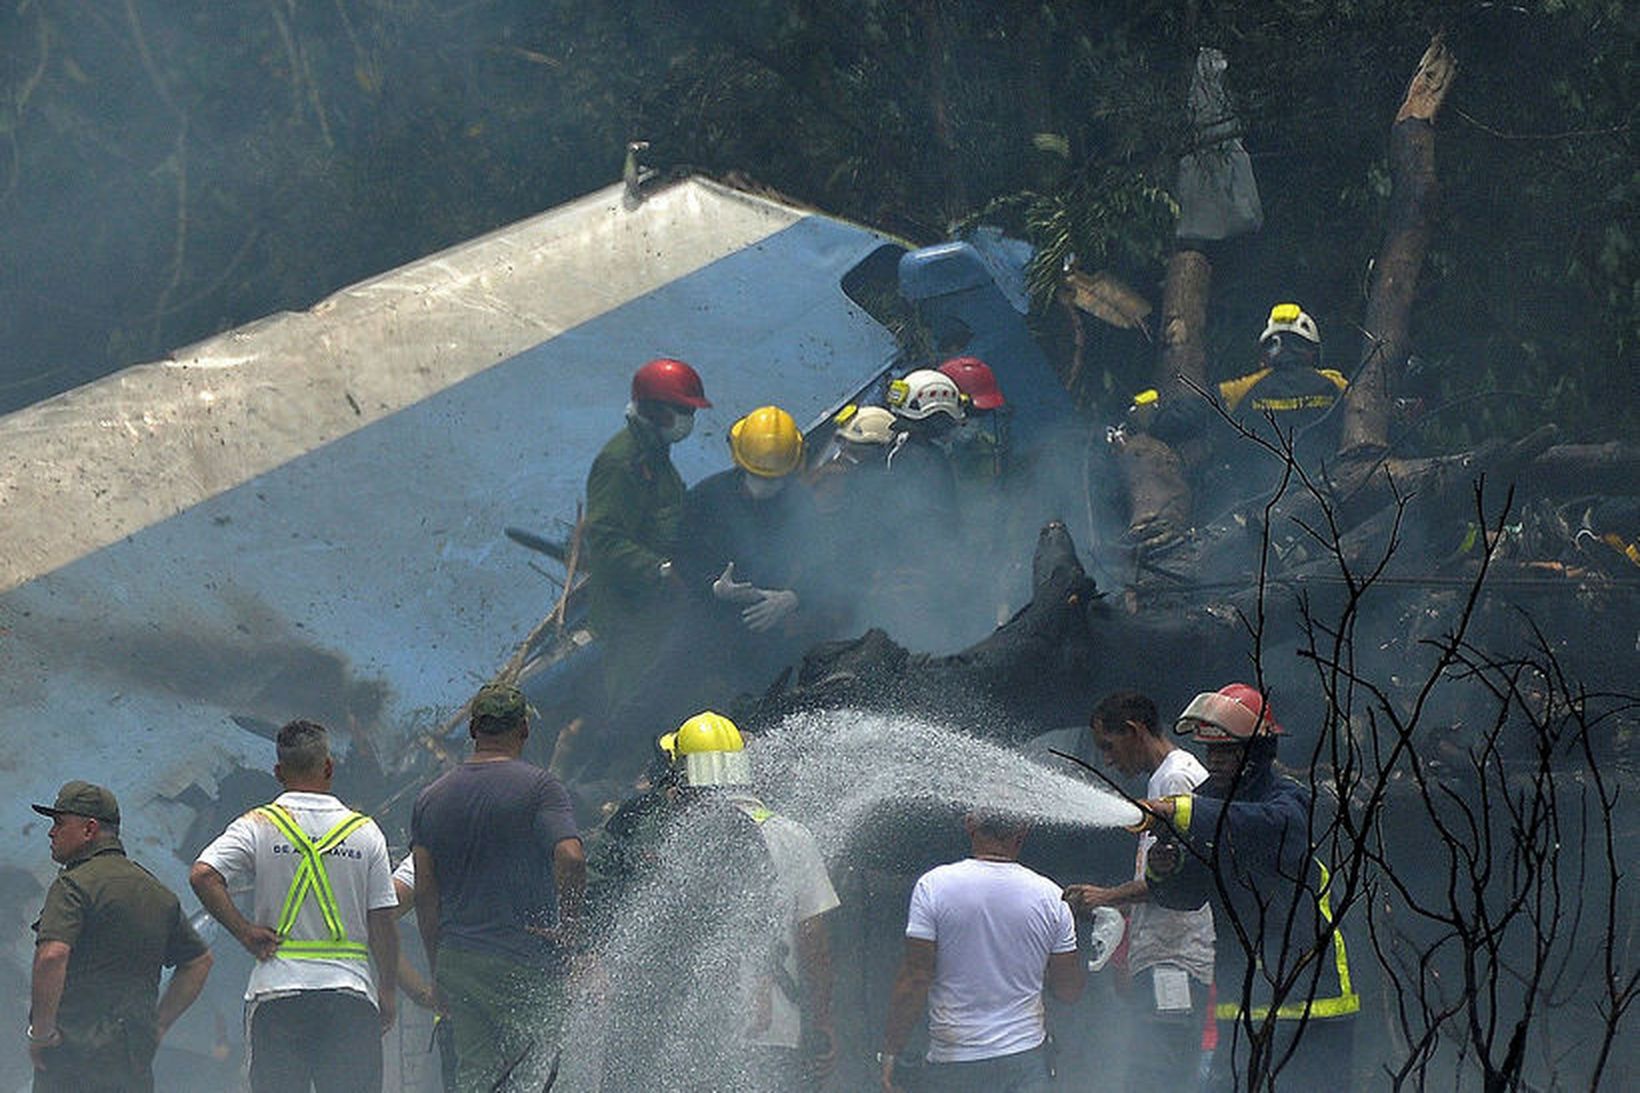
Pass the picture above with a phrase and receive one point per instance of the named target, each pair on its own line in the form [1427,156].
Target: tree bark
[1159,496]
[1413,195]
[1184,321]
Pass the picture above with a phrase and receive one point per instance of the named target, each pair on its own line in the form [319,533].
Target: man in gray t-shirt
[500,874]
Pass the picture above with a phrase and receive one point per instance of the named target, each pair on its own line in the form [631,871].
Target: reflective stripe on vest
[311,878]
[1341,1005]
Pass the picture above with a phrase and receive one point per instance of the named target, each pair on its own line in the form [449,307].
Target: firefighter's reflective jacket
[1258,844]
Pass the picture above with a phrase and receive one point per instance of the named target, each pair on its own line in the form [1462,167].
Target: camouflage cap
[79,798]
[502,701]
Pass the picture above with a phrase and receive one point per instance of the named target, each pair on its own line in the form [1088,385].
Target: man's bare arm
[50,973]
[569,873]
[814,970]
[1066,975]
[212,889]
[910,995]
[1085,897]
[427,907]
[186,983]
[382,924]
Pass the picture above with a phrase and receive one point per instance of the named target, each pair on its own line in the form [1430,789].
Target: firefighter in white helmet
[926,406]
[1287,388]
[786,980]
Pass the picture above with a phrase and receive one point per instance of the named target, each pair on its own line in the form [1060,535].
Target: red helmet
[975,379]
[1233,714]
[672,382]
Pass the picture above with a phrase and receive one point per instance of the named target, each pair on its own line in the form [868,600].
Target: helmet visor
[1215,718]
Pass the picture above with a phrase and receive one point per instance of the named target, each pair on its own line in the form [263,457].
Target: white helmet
[1290,319]
[923,393]
[865,425]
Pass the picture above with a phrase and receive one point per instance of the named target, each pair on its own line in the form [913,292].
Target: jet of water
[663,1006]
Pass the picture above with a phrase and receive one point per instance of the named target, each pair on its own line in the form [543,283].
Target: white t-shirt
[994,925]
[405,874]
[1156,934]
[804,891]
[252,851]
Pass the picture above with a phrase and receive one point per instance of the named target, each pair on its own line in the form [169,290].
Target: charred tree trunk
[1395,274]
[1158,492]
[1158,489]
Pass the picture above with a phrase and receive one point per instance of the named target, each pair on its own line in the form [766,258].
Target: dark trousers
[327,1040]
[66,1075]
[1166,1050]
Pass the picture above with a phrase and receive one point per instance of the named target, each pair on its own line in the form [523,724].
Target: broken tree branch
[1414,192]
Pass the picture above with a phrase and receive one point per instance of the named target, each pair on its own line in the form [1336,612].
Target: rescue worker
[771,1029]
[1250,825]
[632,528]
[851,478]
[754,576]
[926,406]
[634,517]
[998,521]
[1289,388]
[323,926]
[746,529]
[979,446]
[924,607]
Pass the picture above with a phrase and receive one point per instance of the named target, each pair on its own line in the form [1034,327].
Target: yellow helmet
[711,751]
[767,443]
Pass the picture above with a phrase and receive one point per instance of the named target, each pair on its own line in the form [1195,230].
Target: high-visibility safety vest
[1344,1003]
[312,880]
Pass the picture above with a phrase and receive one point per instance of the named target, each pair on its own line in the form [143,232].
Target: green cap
[84,799]
[502,701]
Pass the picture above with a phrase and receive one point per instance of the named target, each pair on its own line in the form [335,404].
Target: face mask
[761,489]
[683,423]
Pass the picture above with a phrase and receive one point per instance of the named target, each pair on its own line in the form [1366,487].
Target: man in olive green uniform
[634,515]
[107,929]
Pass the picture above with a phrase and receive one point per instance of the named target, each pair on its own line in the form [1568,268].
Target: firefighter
[927,406]
[1251,826]
[769,991]
[1288,389]
[755,562]
[851,478]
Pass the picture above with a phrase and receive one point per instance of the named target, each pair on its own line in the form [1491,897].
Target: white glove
[728,589]
[769,610]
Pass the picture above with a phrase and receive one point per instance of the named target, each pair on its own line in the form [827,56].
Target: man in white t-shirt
[983,938]
[1169,952]
[322,926]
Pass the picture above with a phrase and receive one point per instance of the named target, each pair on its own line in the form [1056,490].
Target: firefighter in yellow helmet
[786,979]
[755,564]
[750,530]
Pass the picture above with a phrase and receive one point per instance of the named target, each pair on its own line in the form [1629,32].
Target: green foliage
[1110,218]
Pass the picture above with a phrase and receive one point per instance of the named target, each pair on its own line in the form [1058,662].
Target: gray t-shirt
[491,828]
